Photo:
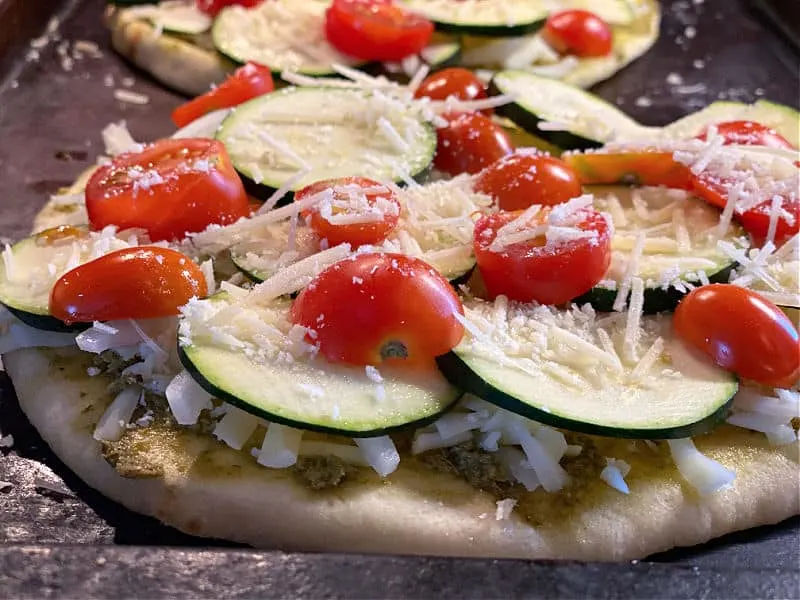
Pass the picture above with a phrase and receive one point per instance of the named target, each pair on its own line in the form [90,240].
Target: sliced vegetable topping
[758,188]
[470,142]
[376,309]
[668,239]
[376,30]
[296,136]
[548,255]
[285,35]
[522,179]
[245,83]
[171,188]
[562,114]
[353,210]
[578,32]
[626,377]
[481,17]
[454,82]
[31,266]
[132,283]
[748,133]
[742,332]
[649,168]
[255,358]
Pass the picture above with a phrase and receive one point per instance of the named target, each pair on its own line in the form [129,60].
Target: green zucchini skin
[528,121]
[656,300]
[457,371]
[489,30]
[221,394]
[46,322]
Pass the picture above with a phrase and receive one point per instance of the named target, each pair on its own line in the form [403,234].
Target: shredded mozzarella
[281,446]
[115,419]
[704,474]
[187,399]
[380,453]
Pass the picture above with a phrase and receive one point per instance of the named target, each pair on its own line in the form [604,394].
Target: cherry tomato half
[171,188]
[637,168]
[578,32]
[134,283]
[455,82]
[742,332]
[212,7]
[365,198]
[748,133]
[381,308]
[535,271]
[714,190]
[376,30]
[756,221]
[469,143]
[520,180]
[245,83]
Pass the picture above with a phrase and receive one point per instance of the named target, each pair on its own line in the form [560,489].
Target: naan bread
[193,482]
[190,64]
[204,488]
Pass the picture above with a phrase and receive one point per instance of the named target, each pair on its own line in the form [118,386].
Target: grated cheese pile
[773,272]
[665,237]
[285,34]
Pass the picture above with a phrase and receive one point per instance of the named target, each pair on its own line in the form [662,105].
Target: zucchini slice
[552,366]
[493,18]
[287,35]
[32,266]
[680,243]
[575,119]
[312,394]
[335,132]
[784,119]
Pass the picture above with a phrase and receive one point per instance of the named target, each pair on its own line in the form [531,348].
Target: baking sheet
[53,104]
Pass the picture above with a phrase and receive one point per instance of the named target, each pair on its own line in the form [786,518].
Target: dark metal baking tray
[58,538]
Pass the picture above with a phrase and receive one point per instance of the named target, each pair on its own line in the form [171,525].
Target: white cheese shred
[706,475]
[380,453]
[187,399]
[118,414]
[281,446]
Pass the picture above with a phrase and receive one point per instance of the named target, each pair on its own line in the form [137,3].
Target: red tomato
[755,221]
[456,82]
[171,188]
[470,142]
[534,271]
[375,30]
[134,283]
[578,32]
[212,7]
[519,180]
[387,211]
[742,332]
[749,133]
[381,308]
[246,82]
[640,168]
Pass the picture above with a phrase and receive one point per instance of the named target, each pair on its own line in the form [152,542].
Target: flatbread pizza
[347,365]
[188,50]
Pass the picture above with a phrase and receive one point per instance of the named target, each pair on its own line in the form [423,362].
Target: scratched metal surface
[50,119]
